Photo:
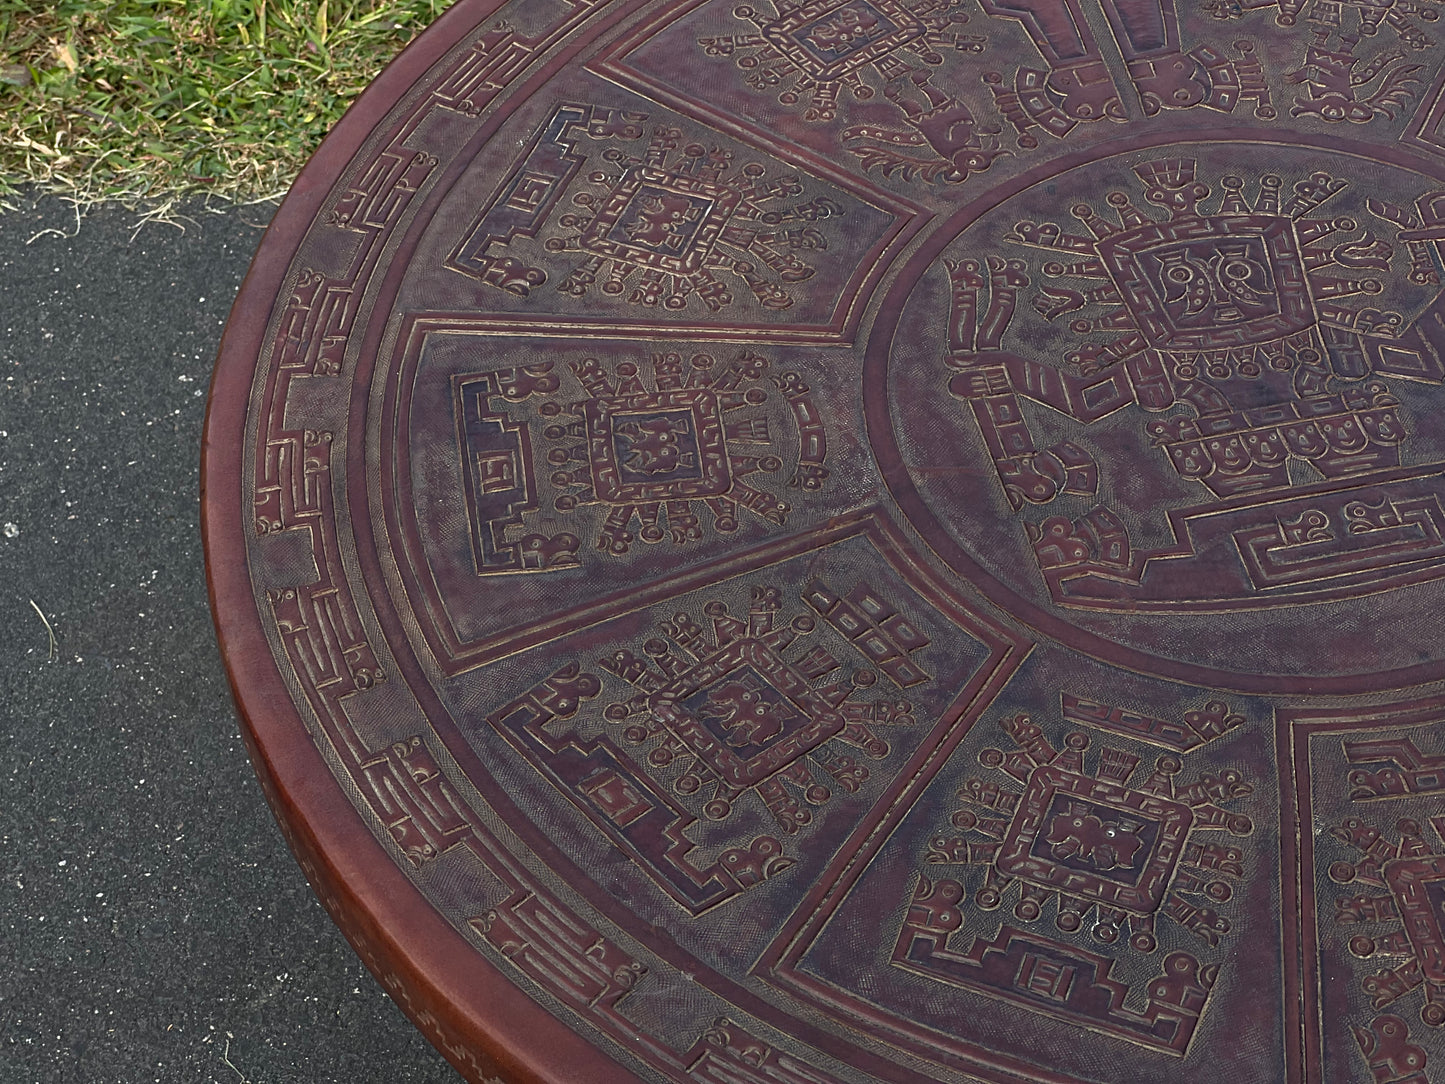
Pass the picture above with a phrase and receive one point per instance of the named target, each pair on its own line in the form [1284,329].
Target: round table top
[863,540]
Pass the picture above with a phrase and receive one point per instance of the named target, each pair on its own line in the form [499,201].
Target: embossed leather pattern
[864,540]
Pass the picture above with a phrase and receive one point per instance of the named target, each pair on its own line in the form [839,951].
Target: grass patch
[148,100]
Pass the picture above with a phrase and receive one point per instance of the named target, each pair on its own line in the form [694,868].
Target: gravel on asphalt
[153,925]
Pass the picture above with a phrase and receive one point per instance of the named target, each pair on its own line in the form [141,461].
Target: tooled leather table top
[863,540]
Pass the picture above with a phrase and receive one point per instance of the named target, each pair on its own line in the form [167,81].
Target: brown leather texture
[863,540]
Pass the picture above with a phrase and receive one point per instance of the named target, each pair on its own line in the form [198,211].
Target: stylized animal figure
[937,121]
[749,718]
[1333,85]
[844,31]
[660,222]
[653,446]
[1080,834]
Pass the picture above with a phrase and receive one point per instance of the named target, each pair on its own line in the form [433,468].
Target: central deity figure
[1261,319]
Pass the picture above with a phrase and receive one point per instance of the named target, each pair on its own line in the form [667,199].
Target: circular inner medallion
[1157,402]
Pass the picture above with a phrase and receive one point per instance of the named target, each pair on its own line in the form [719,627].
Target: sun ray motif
[1219,270]
[739,707]
[1055,837]
[656,455]
[663,226]
[742,704]
[665,452]
[813,52]
[1397,903]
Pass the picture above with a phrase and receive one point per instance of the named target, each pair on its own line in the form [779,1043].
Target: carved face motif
[657,446]
[847,29]
[745,712]
[660,220]
[1192,282]
[1099,839]
[1095,837]
[828,39]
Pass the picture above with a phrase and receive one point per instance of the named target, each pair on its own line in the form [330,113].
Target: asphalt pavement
[153,925]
